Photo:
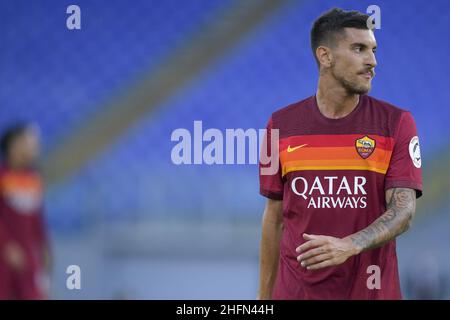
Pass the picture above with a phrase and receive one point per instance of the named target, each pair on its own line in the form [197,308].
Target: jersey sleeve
[270,185]
[405,166]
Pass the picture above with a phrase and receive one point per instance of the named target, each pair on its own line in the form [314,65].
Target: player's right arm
[272,226]
[11,252]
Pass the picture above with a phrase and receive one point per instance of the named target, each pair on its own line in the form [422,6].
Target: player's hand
[14,256]
[324,251]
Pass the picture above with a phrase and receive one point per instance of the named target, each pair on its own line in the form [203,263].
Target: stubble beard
[351,86]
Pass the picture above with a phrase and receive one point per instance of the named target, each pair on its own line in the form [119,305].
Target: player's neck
[334,101]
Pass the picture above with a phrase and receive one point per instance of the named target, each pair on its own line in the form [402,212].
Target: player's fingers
[312,236]
[320,265]
[315,260]
[311,253]
[308,245]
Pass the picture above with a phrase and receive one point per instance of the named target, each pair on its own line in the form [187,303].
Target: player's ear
[324,56]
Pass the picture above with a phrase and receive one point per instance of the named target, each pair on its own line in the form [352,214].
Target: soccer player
[24,253]
[349,175]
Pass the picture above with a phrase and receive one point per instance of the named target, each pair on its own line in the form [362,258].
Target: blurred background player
[24,250]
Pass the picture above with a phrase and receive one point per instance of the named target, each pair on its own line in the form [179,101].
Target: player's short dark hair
[11,134]
[331,24]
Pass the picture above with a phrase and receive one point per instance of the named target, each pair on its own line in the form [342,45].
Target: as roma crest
[365,146]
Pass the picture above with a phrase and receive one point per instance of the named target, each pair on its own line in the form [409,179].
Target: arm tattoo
[401,205]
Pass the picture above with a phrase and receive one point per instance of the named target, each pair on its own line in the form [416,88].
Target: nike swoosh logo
[289,149]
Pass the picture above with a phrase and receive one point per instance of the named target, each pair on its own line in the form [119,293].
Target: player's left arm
[321,251]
